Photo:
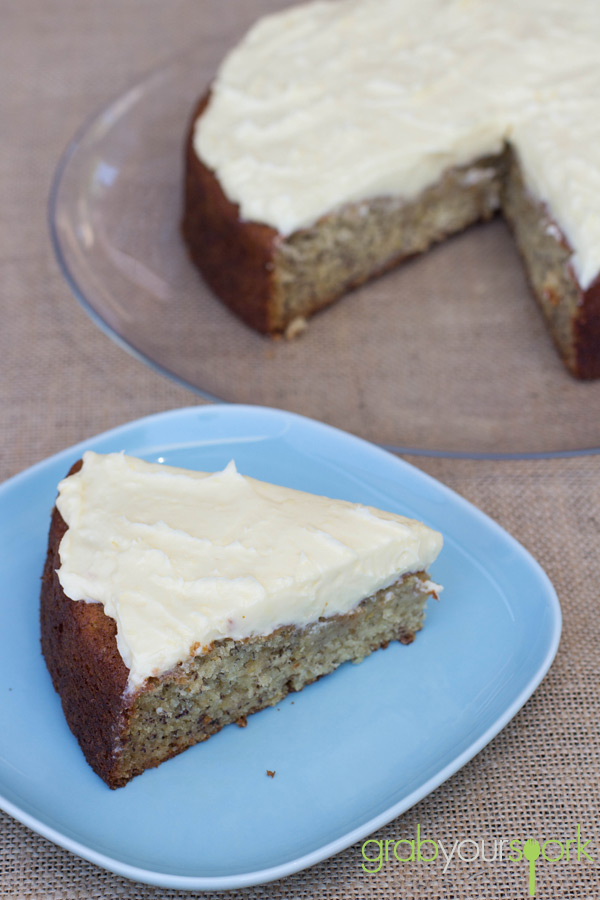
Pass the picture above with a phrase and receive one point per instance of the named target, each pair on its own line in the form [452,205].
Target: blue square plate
[350,752]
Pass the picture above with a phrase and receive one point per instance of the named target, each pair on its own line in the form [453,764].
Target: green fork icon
[531,851]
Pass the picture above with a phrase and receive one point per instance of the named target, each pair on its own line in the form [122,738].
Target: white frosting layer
[334,102]
[180,559]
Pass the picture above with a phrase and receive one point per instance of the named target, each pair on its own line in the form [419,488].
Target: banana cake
[177,602]
[339,138]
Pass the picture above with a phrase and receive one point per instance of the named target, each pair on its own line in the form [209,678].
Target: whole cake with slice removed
[176,602]
[339,138]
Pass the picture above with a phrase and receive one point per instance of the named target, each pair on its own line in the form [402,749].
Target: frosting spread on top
[335,102]
[180,558]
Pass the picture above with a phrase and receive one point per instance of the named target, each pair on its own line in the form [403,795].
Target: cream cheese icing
[180,559]
[335,102]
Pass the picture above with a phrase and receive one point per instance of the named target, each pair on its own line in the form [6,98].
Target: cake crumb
[242,722]
[296,327]
[271,773]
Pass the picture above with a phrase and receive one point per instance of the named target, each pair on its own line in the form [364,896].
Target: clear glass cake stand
[446,355]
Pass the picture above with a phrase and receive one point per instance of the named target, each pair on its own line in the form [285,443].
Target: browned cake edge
[572,314]
[235,257]
[80,649]
[124,733]
[270,281]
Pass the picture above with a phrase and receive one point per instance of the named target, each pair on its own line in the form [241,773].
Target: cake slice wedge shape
[176,602]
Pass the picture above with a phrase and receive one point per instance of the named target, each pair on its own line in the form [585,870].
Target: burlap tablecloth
[63,380]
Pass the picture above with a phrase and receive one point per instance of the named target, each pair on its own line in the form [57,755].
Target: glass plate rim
[70,150]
